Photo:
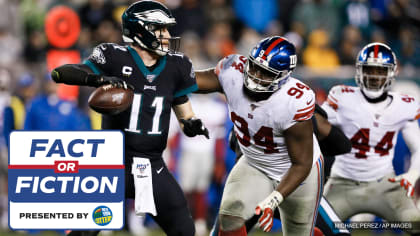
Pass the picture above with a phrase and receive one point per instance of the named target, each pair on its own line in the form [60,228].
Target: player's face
[163,35]
[260,75]
[374,77]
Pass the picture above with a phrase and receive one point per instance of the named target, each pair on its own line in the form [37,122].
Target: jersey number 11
[134,125]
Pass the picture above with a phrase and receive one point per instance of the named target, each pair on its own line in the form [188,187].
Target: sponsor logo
[102,215]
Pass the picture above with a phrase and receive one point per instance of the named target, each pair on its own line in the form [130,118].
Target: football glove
[407,180]
[267,208]
[193,127]
[99,80]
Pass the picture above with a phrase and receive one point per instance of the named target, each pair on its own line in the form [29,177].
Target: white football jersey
[213,113]
[259,125]
[372,131]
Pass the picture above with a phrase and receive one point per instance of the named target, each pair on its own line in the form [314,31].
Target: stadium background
[37,35]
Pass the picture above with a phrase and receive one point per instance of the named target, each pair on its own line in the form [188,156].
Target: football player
[332,141]
[161,79]
[281,166]
[363,180]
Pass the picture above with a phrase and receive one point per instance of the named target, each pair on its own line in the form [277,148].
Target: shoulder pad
[408,104]
[234,60]
[304,106]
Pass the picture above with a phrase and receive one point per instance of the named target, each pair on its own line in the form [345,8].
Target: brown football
[110,100]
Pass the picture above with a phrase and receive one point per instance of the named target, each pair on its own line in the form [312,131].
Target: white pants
[195,171]
[382,198]
[246,187]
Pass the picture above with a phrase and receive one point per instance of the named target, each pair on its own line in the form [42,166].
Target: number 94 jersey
[372,131]
[259,126]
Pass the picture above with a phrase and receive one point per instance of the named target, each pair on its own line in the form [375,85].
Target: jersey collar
[149,75]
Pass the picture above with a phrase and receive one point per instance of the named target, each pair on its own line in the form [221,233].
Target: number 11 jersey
[146,123]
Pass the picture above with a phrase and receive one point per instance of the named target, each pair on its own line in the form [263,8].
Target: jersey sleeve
[408,107]
[414,107]
[186,81]
[331,105]
[230,68]
[99,59]
[417,116]
[224,64]
[300,109]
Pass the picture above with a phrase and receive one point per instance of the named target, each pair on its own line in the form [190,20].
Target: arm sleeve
[331,105]
[180,100]
[335,143]
[90,72]
[187,82]
[411,135]
[73,74]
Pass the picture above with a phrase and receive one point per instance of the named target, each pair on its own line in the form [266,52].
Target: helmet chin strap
[377,99]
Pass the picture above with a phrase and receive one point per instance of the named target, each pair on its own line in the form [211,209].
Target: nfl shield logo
[150,78]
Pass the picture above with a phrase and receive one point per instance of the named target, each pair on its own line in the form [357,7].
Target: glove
[407,180]
[194,126]
[267,207]
[99,80]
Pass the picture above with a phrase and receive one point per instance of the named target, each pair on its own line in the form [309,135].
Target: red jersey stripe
[306,108]
[332,104]
[304,115]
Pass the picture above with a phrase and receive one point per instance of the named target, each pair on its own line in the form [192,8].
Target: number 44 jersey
[259,126]
[372,129]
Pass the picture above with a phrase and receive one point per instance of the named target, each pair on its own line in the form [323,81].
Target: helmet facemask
[374,80]
[161,45]
[261,78]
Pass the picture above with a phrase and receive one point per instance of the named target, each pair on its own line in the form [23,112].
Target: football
[110,100]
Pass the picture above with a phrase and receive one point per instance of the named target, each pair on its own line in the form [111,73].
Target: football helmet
[269,64]
[376,66]
[142,19]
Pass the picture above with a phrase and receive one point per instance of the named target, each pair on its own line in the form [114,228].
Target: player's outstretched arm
[207,81]
[80,74]
[300,148]
[190,125]
[411,135]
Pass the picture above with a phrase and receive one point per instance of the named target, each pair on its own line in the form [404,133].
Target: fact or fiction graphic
[66,180]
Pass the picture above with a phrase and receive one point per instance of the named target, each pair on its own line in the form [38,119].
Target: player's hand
[115,82]
[407,180]
[267,208]
[193,127]
[99,80]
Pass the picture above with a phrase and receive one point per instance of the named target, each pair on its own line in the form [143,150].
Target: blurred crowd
[328,34]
